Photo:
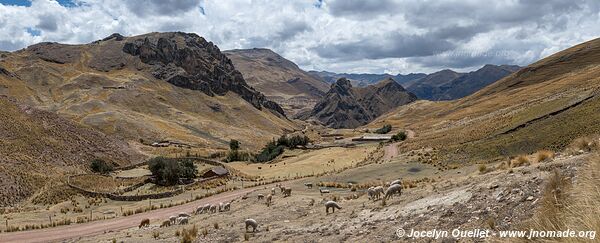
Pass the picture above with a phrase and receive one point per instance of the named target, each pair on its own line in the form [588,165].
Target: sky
[353,36]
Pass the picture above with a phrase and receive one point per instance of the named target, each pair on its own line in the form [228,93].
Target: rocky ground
[497,200]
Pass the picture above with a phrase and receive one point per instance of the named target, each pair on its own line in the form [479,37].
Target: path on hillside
[391,150]
[116,224]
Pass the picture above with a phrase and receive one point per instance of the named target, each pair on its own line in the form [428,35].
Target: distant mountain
[442,85]
[364,79]
[345,106]
[450,85]
[278,78]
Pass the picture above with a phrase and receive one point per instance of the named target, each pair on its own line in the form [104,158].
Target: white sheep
[287,192]
[323,191]
[371,193]
[378,191]
[273,191]
[269,198]
[251,222]
[206,207]
[199,210]
[182,220]
[182,214]
[333,205]
[394,189]
[173,219]
[226,206]
[213,208]
[399,182]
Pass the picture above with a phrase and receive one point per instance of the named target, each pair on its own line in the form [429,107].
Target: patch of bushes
[401,136]
[168,171]
[269,152]
[293,141]
[544,155]
[101,166]
[385,129]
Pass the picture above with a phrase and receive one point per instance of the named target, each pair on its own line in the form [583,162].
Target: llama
[221,207]
[282,188]
[144,223]
[287,192]
[199,210]
[251,222]
[333,205]
[182,220]
[399,182]
[206,208]
[393,190]
[371,193]
[165,223]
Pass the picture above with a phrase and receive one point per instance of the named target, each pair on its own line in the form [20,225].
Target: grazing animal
[182,220]
[145,222]
[251,222]
[182,214]
[323,191]
[273,191]
[199,210]
[213,209]
[282,188]
[308,185]
[399,182]
[206,208]
[261,196]
[165,223]
[394,189]
[269,198]
[220,207]
[333,205]
[378,191]
[173,219]
[287,192]
[226,206]
[371,193]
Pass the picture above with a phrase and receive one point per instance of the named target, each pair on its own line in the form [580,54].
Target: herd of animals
[373,193]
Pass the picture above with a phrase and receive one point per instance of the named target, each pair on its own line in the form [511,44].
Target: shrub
[269,152]
[293,141]
[188,235]
[101,166]
[235,155]
[401,136]
[385,129]
[521,160]
[482,169]
[234,145]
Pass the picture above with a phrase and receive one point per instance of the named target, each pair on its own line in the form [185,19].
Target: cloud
[336,35]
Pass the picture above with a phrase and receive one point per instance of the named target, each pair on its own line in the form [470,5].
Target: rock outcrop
[345,106]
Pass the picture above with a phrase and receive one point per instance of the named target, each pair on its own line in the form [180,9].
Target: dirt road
[116,224]
[391,150]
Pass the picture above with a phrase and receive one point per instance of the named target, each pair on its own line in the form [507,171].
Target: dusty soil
[500,199]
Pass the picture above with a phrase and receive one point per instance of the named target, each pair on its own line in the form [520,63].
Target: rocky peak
[189,61]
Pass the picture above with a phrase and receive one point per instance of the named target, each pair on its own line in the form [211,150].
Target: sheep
[282,188]
[393,190]
[269,198]
[182,214]
[251,222]
[213,209]
[371,193]
[199,210]
[145,222]
[333,205]
[173,219]
[308,185]
[182,220]
[206,208]
[399,182]
[273,191]
[220,207]
[261,196]
[227,207]
[287,192]
[378,191]
[323,191]
[165,223]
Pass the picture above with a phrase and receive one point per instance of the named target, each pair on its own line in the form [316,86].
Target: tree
[168,171]
[100,166]
[234,144]
[188,168]
[385,129]
[401,136]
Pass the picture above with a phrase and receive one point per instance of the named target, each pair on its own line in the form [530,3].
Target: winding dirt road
[116,224]
[391,150]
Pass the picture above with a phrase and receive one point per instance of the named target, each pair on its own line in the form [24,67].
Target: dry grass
[521,160]
[544,155]
[584,144]
[482,169]
[188,235]
[570,206]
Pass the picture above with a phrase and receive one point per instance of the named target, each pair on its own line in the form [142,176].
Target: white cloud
[337,35]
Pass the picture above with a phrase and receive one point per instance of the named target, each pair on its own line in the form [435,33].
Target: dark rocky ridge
[345,106]
[189,61]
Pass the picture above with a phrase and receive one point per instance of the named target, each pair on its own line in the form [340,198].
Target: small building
[216,171]
[373,137]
